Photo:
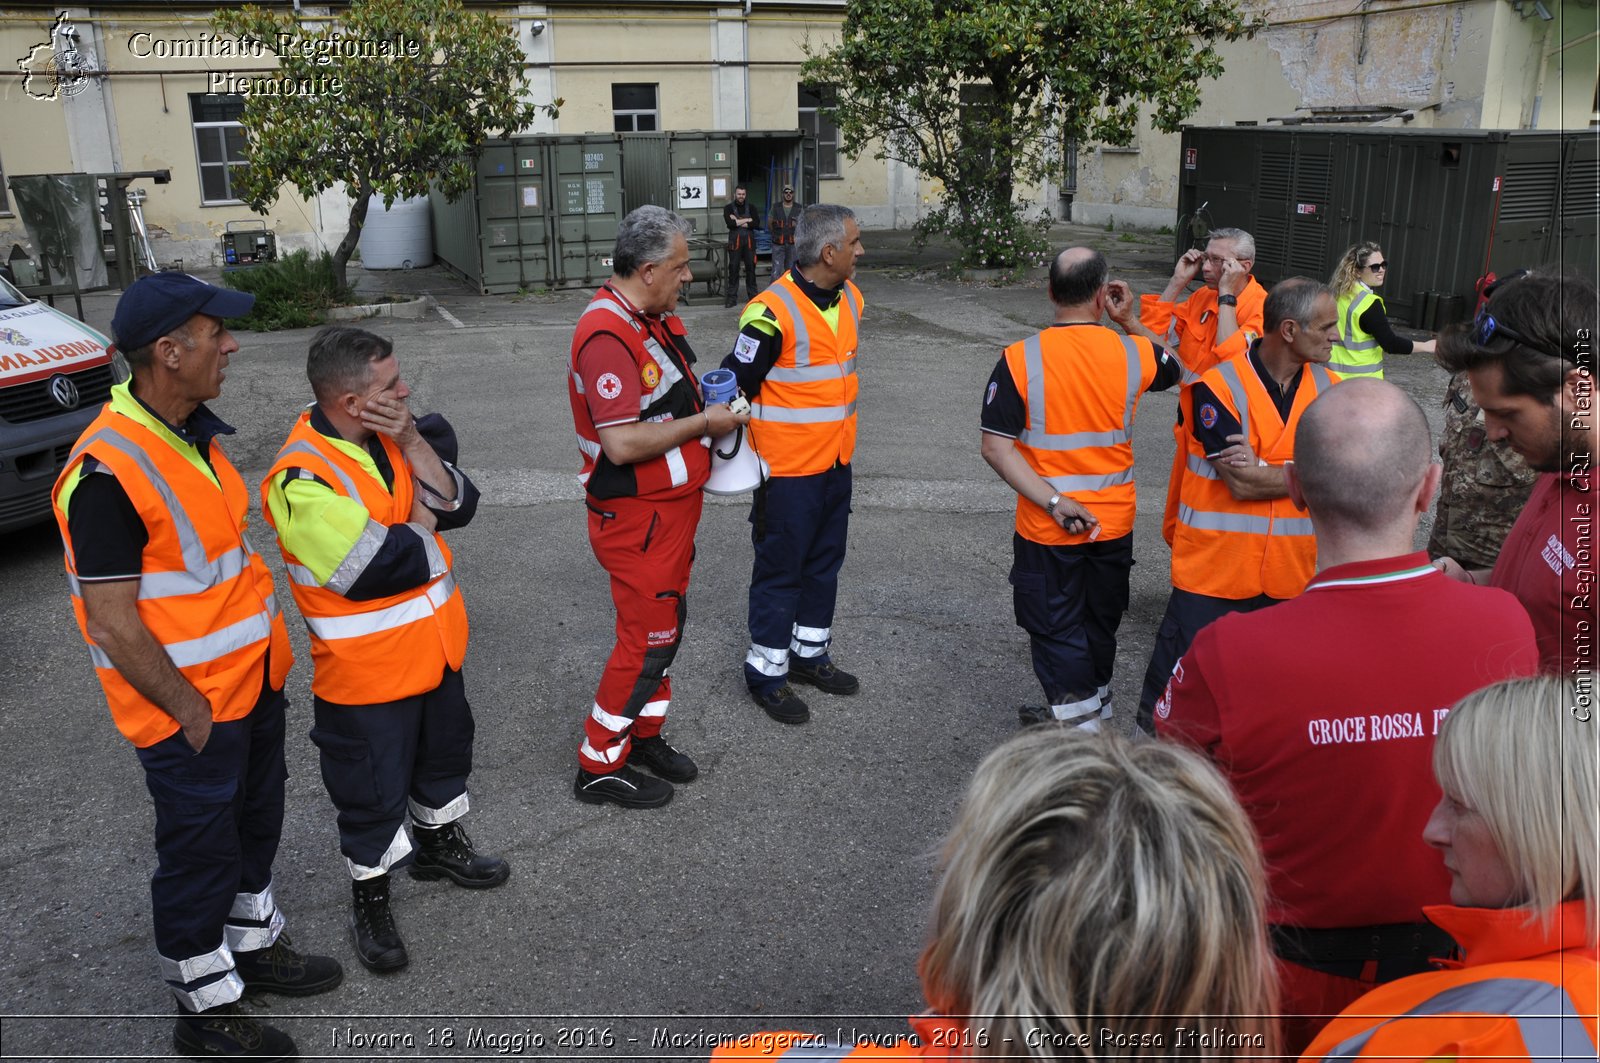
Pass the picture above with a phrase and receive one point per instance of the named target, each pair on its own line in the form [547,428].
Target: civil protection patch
[650,375]
[989,395]
[1208,415]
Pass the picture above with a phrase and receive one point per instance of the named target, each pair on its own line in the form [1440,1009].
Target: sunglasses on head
[1485,326]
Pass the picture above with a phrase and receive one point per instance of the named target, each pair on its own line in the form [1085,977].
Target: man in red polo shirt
[1529,356]
[1322,710]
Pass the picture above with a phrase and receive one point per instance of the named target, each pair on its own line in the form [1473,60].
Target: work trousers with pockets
[1070,599]
[1187,613]
[647,547]
[782,259]
[382,760]
[799,525]
[742,256]
[219,814]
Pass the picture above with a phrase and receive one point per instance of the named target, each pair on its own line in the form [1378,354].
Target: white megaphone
[735,465]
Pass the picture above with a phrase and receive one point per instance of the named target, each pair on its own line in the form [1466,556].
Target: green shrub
[293,292]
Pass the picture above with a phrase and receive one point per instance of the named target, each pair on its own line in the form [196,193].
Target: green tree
[980,94]
[384,124]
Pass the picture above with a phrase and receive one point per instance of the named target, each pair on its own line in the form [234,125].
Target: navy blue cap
[155,305]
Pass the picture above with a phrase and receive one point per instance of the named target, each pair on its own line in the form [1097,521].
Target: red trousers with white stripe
[647,547]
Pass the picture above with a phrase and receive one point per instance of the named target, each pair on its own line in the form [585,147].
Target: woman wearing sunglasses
[1364,332]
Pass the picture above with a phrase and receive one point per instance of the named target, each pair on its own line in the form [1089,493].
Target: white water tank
[398,238]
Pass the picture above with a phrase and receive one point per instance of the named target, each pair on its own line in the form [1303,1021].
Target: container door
[1310,206]
[533,212]
[703,175]
[1576,238]
[588,185]
[497,208]
[1219,183]
[1525,224]
[646,177]
[455,234]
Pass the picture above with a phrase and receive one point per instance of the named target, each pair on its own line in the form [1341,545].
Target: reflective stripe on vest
[1035,435]
[1544,1013]
[1226,521]
[379,620]
[818,1053]
[808,415]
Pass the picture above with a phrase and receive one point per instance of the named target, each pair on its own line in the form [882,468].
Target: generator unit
[248,243]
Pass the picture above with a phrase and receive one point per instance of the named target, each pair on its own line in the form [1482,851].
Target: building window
[633,109]
[816,122]
[218,143]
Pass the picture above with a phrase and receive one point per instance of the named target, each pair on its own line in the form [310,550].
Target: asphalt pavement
[787,887]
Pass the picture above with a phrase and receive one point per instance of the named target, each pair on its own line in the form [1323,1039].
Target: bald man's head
[1360,454]
[1076,275]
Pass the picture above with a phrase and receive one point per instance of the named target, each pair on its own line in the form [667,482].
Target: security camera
[536,27]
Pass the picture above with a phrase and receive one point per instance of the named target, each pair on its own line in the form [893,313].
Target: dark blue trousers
[1070,600]
[1187,613]
[379,760]
[219,814]
[799,525]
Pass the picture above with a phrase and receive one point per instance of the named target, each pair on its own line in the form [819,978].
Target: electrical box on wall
[248,243]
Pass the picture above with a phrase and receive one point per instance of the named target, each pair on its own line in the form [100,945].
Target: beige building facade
[138,86]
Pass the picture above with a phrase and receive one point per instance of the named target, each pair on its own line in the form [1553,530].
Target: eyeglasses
[1376,267]
[1485,326]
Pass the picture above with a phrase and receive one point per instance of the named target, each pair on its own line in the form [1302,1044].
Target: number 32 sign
[691,192]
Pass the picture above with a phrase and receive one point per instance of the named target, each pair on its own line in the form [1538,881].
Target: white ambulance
[55,374]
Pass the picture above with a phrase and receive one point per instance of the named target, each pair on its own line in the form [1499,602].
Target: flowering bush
[991,239]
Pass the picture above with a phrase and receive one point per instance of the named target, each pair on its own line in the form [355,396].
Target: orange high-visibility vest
[804,418]
[204,593]
[1227,547]
[1080,386]
[1531,996]
[383,649]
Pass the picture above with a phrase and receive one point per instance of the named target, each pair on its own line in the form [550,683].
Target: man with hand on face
[190,646]
[1219,321]
[1058,426]
[795,358]
[1529,355]
[1240,542]
[644,433]
[358,495]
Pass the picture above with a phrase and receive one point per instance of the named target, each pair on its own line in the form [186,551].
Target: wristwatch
[1050,506]
[1227,300]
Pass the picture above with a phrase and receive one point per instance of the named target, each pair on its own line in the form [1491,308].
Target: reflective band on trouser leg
[399,849]
[254,921]
[1084,714]
[768,660]
[1545,1015]
[438,817]
[204,981]
[810,641]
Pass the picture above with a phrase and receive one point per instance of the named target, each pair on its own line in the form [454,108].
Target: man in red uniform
[1057,426]
[1322,710]
[643,432]
[1529,355]
[1239,543]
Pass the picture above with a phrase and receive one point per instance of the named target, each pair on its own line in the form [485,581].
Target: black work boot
[226,1032]
[281,969]
[658,755]
[826,677]
[378,944]
[447,852]
[625,786]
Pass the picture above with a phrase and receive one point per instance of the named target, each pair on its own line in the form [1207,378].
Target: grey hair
[646,236]
[1360,452]
[1092,882]
[821,225]
[340,360]
[1292,299]
[1244,245]
[1545,822]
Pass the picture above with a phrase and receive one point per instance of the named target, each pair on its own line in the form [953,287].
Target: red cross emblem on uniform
[609,385]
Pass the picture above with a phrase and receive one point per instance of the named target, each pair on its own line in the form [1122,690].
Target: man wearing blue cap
[190,647]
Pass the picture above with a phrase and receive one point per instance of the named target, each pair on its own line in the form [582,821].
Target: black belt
[1368,953]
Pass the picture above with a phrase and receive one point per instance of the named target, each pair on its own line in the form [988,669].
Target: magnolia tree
[981,94]
[394,96]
